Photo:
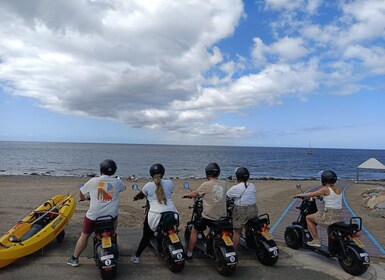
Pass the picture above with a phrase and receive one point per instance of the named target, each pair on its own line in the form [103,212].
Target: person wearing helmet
[332,213]
[213,192]
[103,192]
[245,202]
[159,195]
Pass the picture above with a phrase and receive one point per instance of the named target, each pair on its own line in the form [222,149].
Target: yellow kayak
[37,229]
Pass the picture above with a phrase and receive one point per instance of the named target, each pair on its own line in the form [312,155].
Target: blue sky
[255,73]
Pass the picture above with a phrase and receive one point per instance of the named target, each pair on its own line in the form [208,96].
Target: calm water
[80,159]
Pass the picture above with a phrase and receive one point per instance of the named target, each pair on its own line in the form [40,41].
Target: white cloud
[289,49]
[158,64]
[373,58]
[113,60]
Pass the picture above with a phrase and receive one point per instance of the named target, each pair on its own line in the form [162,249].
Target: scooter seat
[345,227]
[223,223]
[256,222]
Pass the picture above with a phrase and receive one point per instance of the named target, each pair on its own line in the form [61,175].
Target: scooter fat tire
[352,264]
[221,264]
[263,253]
[293,237]
[187,233]
[171,264]
[108,274]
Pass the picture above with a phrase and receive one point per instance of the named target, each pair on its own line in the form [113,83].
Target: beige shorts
[241,214]
[328,217]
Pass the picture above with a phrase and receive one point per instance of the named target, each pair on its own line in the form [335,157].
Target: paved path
[373,248]
[50,263]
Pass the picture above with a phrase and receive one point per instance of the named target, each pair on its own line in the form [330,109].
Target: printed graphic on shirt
[105,192]
[217,193]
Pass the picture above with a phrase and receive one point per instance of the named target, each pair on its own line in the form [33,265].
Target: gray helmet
[108,167]
[157,168]
[328,177]
[212,170]
[242,174]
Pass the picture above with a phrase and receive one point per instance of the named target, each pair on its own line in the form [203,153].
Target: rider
[104,200]
[159,195]
[332,213]
[245,200]
[214,203]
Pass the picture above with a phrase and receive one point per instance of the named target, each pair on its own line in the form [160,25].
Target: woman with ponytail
[159,195]
[245,202]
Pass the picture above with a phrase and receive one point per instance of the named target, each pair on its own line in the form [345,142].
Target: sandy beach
[22,194]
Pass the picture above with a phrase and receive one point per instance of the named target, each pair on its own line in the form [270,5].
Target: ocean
[82,159]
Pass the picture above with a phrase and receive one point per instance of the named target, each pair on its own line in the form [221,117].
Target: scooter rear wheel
[221,265]
[108,274]
[171,264]
[352,263]
[264,256]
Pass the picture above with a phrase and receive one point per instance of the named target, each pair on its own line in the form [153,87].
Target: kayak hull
[63,207]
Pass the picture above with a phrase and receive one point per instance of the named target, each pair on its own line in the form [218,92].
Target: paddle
[23,228]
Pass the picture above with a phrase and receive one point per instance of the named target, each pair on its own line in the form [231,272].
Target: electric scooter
[166,242]
[105,245]
[106,251]
[257,237]
[217,243]
[343,240]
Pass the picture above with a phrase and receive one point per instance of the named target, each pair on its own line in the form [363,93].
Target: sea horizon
[81,159]
[204,145]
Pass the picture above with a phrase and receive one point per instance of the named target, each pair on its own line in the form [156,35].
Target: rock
[380,205]
[374,201]
[366,199]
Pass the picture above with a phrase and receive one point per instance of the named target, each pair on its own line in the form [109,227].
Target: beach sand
[22,194]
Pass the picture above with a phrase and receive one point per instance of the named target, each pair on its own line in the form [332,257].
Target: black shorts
[201,223]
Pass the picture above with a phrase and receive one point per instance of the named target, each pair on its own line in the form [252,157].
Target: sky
[276,73]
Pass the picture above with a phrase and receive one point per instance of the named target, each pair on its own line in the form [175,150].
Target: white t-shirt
[155,207]
[104,194]
[243,196]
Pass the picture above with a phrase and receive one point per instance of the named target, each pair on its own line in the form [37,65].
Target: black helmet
[242,174]
[328,177]
[157,168]
[108,167]
[212,170]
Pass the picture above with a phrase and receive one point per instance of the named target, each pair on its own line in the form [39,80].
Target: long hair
[159,189]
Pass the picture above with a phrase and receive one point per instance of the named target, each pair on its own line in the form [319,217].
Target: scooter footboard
[228,252]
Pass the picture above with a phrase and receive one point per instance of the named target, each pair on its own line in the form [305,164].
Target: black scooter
[166,242]
[217,244]
[105,245]
[343,241]
[106,251]
[257,237]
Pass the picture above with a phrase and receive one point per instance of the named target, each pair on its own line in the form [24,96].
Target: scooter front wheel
[187,233]
[351,263]
[293,237]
